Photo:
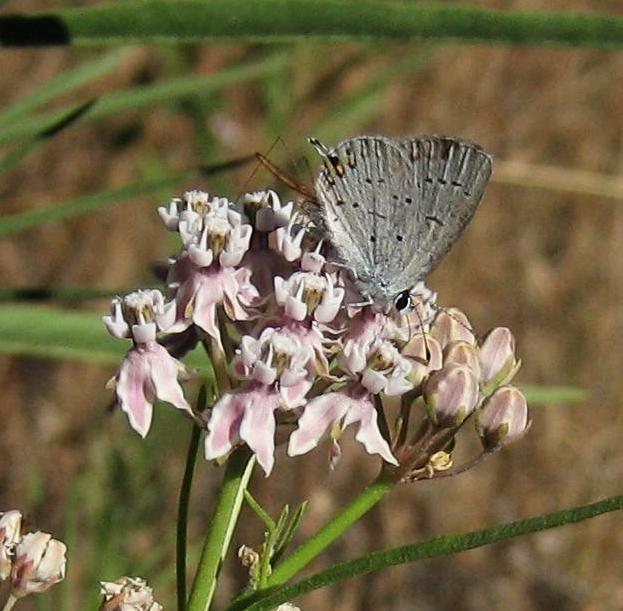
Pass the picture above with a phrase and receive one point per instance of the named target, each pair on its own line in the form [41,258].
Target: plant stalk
[10,603]
[182,517]
[333,530]
[228,506]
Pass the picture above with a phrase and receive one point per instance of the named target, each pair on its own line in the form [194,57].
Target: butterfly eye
[403,301]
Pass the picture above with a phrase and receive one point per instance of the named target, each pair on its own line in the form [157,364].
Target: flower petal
[320,413]
[224,425]
[134,391]
[164,376]
[369,434]
[258,428]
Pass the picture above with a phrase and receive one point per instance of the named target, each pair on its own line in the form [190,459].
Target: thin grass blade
[270,21]
[431,548]
[104,199]
[137,98]
[65,82]
[23,150]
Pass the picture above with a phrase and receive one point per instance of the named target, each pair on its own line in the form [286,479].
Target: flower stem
[10,603]
[182,517]
[334,529]
[237,475]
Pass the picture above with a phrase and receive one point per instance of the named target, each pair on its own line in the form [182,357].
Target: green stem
[237,475]
[182,516]
[259,512]
[334,529]
[10,603]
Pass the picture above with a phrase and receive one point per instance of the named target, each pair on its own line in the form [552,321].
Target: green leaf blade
[65,82]
[145,96]
[183,21]
[432,548]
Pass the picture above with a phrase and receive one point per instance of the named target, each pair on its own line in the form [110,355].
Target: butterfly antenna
[295,158]
[437,308]
[255,169]
[279,174]
[421,321]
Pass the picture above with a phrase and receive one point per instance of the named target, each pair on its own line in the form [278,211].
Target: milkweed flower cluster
[259,286]
[33,562]
[128,594]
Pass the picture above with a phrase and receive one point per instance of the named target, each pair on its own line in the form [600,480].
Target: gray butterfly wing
[393,208]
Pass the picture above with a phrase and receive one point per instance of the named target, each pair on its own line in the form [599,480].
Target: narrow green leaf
[178,21]
[431,548]
[65,120]
[72,335]
[37,294]
[148,95]
[55,333]
[260,512]
[235,480]
[283,517]
[184,501]
[545,395]
[86,72]
[106,199]
[288,533]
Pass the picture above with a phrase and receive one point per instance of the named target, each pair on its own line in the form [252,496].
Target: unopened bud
[498,363]
[503,417]
[462,353]
[451,325]
[451,395]
[39,563]
[248,557]
[128,594]
[424,354]
[10,527]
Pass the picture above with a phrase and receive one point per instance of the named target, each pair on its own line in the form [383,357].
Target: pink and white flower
[275,370]
[270,212]
[308,293]
[288,240]
[187,209]
[148,371]
[10,534]
[376,367]
[206,274]
[200,291]
[128,594]
[39,564]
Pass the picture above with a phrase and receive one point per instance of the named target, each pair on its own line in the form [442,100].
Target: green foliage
[65,82]
[176,21]
[63,121]
[120,489]
[146,96]
[278,536]
[70,335]
[431,548]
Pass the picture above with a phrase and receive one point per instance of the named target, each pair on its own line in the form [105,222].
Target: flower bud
[424,354]
[451,325]
[128,594]
[498,363]
[248,557]
[503,417]
[451,395]
[462,353]
[10,526]
[39,563]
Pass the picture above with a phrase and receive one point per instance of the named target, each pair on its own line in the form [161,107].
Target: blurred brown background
[545,262]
